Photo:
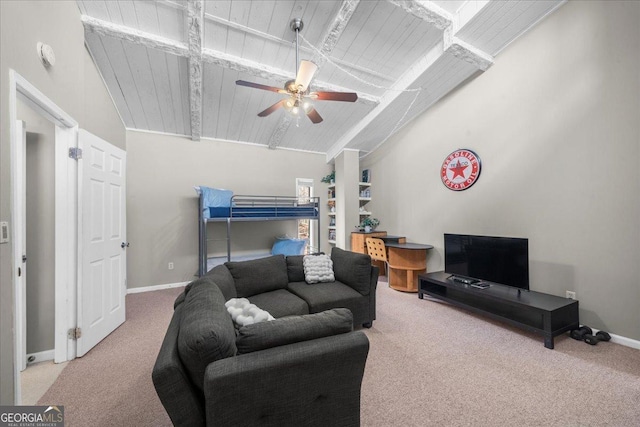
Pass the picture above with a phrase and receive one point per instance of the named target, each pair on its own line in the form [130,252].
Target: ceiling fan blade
[334,96]
[305,74]
[313,115]
[271,109]
[259,86]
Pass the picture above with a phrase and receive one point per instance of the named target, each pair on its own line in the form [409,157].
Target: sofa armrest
[181,399]
[353,269]
[310,383]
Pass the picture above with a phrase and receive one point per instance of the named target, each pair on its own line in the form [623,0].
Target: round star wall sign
[460,170]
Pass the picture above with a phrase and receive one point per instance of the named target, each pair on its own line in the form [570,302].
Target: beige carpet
[429,365]
[37,378]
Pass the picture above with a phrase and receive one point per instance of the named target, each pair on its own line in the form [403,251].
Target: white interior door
[20,238]
[102,240]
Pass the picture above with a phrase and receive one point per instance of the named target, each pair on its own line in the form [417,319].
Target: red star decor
[460,170]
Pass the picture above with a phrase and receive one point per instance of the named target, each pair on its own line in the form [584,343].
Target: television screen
[503,260]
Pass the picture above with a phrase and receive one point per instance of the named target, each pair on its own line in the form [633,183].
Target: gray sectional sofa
[304,368]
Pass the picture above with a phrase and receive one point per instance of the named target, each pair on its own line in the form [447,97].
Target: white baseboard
[156,287]
[41,356]
[628,342]
[619,339]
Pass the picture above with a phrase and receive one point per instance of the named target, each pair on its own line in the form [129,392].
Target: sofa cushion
[221,275]
[206,331]
[318,268]
[324,296]
[352,269]
[295,268]
[280,303]
[259,275]
[289,330]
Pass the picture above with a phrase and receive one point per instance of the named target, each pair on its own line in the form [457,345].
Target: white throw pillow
[318,268]
[244,313]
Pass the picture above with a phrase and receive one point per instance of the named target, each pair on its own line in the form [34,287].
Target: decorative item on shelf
[369,224]
[329,179]
[366,175]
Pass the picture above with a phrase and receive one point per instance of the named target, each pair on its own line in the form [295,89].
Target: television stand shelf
[544,314]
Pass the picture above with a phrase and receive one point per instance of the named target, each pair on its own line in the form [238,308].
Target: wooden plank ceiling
[171,66]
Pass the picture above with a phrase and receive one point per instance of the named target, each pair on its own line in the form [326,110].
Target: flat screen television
[503,260]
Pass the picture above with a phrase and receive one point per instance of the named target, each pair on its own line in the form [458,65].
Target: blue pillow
[289,247]
[215,198]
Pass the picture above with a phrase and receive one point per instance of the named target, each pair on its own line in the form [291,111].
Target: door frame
[65,264]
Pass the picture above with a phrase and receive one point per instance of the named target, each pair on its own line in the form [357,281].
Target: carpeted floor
[430,364]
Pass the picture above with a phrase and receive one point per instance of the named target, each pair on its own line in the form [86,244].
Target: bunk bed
[240,208]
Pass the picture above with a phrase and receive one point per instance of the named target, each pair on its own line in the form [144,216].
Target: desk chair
[378,252]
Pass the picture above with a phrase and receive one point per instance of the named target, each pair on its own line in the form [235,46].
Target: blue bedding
[215,197]
[263,212]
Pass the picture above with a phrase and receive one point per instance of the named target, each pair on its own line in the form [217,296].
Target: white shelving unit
[331,202]
[365,197]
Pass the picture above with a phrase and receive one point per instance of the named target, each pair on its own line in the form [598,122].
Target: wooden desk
[358,239]
[393,239]
[406,262]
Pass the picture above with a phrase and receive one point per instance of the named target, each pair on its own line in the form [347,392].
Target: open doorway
[89,236]
[60,258]
[39,270]
[304,191]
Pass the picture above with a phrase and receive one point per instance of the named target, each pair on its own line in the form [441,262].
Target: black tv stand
[544,314]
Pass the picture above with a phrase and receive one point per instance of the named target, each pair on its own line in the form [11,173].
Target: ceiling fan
[298,89]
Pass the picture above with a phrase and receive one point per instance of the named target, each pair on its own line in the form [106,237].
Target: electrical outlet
[170,266]
[571,294]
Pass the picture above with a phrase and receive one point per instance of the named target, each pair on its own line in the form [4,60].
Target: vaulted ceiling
[171,66]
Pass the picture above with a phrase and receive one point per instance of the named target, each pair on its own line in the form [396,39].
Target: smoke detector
[45,52]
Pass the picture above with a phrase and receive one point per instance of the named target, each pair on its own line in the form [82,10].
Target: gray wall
[162,210]
[73,84]
[556,123]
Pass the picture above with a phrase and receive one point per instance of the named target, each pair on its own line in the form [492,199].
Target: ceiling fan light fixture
[305,74]
[298,89]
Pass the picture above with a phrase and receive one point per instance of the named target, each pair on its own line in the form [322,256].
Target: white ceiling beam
[303,48]
[334,31]
[329,40]
[466,52]
[427,11]
[435,16]
[195,14]
[152,41]
[403,83]
[278,133]
[105,28]
[441,19]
